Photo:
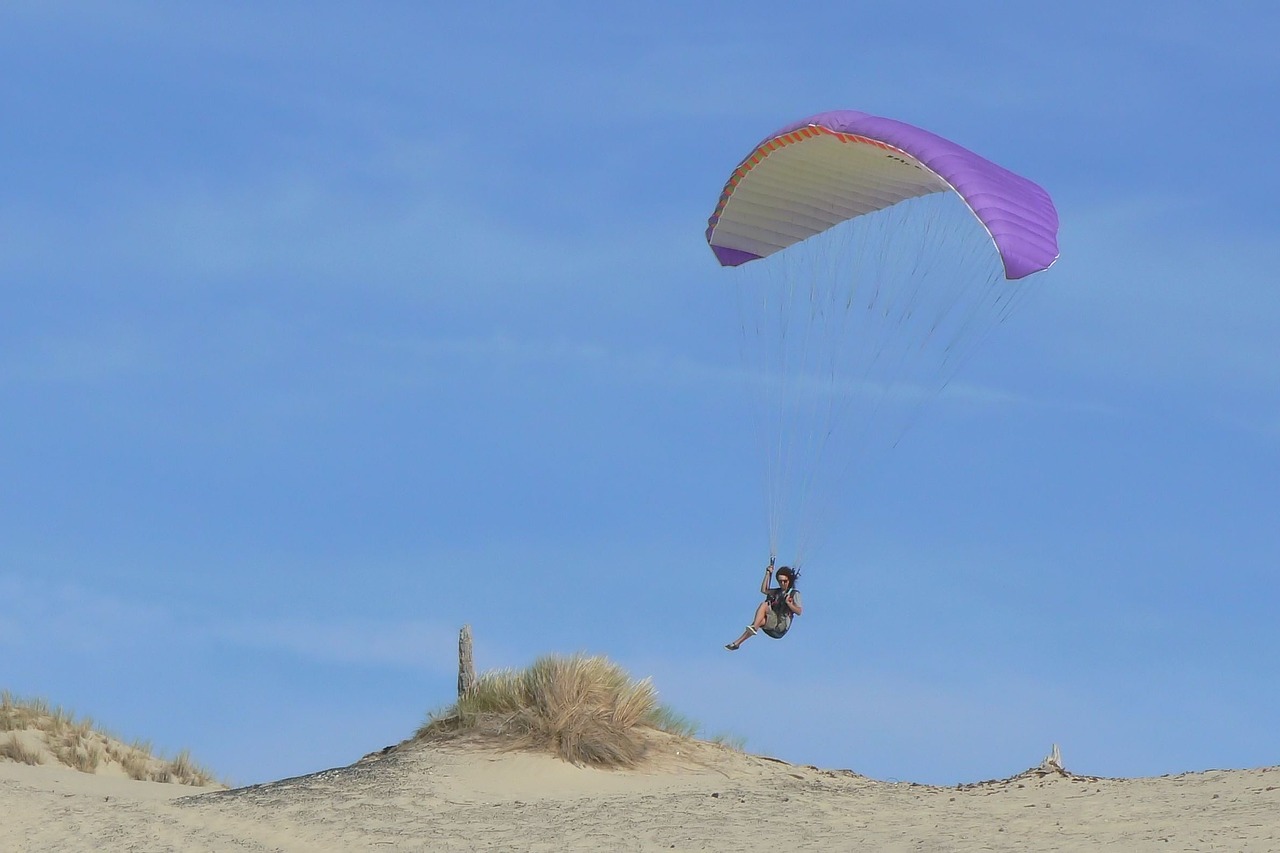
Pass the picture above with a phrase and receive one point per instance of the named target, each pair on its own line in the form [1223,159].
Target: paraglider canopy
[833,166]
[872,258]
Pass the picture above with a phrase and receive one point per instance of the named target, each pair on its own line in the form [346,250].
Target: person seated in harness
[780,604]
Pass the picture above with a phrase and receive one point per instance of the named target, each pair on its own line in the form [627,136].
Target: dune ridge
[34,732]
[468,794]
[572,754]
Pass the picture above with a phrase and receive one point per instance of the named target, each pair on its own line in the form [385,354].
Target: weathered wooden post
[466,667]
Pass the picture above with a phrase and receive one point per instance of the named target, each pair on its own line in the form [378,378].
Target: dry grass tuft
[16,715]
[737,743]
[184,771]
[79,744]
[586,710]
[14,750]
[137,765]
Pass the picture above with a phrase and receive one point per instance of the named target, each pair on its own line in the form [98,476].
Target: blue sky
[331,327]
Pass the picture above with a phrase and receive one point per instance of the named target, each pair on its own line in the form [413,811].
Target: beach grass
[14,749]
[585,709]
[80,744]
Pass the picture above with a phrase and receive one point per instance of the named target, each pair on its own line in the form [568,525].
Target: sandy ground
[462,797]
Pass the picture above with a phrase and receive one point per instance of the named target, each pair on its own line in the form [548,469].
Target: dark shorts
[775,624]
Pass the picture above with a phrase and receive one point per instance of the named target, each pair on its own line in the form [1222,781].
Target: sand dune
[462,796]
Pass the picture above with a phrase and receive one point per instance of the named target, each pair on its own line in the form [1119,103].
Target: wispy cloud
[1164,298]
[413,644]
[41,614]
[77,619]
[63,359]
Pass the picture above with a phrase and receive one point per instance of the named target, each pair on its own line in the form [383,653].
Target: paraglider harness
[777,599]
[778,604]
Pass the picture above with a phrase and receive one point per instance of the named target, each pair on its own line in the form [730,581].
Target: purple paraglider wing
[825,169]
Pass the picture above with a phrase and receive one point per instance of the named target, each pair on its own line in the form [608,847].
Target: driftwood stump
[466,666]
